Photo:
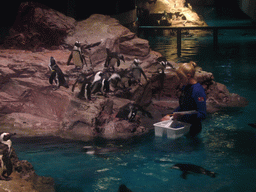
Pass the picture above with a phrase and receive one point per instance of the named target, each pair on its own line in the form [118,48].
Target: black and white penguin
[112,59]
[85,81]
[136,72]
[56,74]
[129,112]
[5,155]
[164,63]
[76,54]
[190,168]
[123,188]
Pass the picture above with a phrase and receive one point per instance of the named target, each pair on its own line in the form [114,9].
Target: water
[227,145]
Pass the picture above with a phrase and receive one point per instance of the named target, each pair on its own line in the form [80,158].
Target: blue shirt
[193,97]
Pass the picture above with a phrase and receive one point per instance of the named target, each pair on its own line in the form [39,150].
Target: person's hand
[177,116]
[166,118]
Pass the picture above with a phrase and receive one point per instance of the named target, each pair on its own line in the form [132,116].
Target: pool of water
[226,145]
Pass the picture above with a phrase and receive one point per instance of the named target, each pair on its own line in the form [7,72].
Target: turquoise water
[226,145]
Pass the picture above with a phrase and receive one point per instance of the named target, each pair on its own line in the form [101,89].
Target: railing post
[215,38]
[179,42]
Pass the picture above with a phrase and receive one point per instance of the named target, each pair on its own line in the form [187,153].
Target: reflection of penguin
[190,168]
[112,59]
[5,153]
[129,111]
[86,84]
[77,56]
[56,74]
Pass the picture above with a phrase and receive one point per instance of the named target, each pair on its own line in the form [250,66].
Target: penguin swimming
[190,168]
[112,59]
[6,166]
[57,75]
[123,188]
[252,125]
[90,150]
[129,111]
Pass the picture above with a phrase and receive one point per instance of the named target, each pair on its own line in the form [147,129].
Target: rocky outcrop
[31,107]
[24,178]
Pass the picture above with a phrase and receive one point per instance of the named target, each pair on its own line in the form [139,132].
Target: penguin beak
[7,137]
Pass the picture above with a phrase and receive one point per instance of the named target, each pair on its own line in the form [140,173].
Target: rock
[37,25]
[25,179]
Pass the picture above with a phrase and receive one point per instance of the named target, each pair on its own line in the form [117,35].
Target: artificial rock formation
[31,107]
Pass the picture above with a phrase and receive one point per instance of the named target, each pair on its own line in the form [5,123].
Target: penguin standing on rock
[112,59]
[77,56]
[129,111]
[6,166]
[56,74]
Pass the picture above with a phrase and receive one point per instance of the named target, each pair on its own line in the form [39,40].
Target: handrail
[179,29]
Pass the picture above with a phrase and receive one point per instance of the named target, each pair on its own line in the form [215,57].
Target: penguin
[123,188]
[163,62]
[57,75]
[100,83]
[112,59]
[77,56]
[86,84]
[252,125]
[129,112]
[91,150]
[190,168]
[136,72]
[6,166]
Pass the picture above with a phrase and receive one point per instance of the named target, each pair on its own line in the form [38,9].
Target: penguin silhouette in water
[5,155]
[252,125]
[123,188]
[112,59]
[190,168]
[129,112]
[136,72]
[85,81]
[56,74]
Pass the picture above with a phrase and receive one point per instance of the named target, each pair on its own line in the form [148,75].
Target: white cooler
[174,129]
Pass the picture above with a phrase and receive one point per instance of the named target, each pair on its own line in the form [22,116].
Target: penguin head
[52,61]
[6,136]
[89,150]
[121,57]
[137,61]
[77,44]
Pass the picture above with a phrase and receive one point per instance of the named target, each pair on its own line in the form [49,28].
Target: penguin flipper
[53,75]
[184,175]
[74,85]
[118,62]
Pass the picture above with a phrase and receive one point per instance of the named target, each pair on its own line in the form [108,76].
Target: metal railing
[215,30]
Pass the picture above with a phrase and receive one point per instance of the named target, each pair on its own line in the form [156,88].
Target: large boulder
[37,25]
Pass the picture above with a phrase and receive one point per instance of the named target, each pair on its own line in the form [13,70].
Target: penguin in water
[56,74]
[190,168]
[123,188]
[112,59]
[129,112]
[252,125]
[5,155]
[91,150]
